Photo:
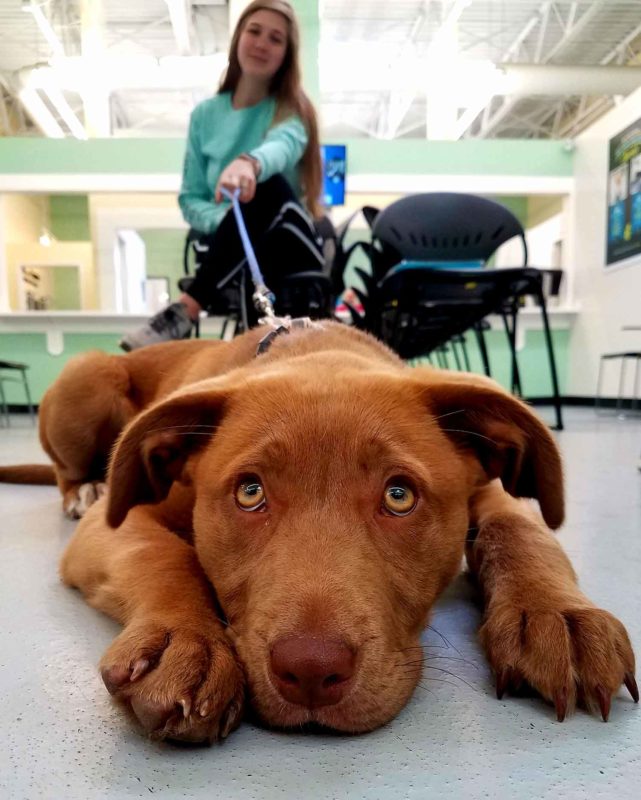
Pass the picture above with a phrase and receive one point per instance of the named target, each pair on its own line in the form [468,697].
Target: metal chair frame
[4,407]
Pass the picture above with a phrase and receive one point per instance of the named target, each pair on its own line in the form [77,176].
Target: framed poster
[624,196]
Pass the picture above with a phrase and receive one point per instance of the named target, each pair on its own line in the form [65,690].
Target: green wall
[30,348]
[65,289]
[365,156]
[69,217]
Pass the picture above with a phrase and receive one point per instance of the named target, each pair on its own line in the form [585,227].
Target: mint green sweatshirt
[218,133]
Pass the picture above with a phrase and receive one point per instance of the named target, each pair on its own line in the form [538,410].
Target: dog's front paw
[182,683]
[570,655]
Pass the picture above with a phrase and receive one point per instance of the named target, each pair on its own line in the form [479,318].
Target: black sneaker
[172,322]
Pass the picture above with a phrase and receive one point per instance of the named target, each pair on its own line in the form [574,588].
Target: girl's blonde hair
[290,98]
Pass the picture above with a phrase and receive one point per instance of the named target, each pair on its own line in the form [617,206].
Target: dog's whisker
[452,675]
[449,414]
[198,428]
[421,647]
[444,638]
[432,658]
[471,433]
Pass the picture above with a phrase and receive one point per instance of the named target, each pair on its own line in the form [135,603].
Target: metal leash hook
[263,298]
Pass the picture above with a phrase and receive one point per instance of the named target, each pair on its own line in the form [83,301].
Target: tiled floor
[61,736]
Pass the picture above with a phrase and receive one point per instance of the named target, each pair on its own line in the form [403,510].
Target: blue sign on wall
[334,167]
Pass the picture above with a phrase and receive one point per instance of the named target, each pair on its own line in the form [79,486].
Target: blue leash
[262,298]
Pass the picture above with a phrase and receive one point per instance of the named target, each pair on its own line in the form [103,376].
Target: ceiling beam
[574,26]
[180,15]
[489,121]
[95,99]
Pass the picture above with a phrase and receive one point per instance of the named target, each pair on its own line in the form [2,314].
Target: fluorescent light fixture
[39,112]
[45,27]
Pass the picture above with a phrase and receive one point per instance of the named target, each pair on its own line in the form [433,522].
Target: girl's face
[262,44]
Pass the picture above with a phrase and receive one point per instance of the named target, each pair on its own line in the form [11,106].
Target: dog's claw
[139,668]
[231,719]
[604,701]
[185,704]
[561,704]
[204,709]
[502,682]
[631,686]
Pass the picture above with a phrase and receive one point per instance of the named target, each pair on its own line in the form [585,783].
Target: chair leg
[4,409]
[550,349]
[25,382]
[466,359]
[229,328]
[621,385]
[457,360]
[510,330]
[440,358]
[599,378]
[480,338]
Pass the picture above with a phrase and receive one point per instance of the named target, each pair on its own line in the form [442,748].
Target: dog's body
[325,491]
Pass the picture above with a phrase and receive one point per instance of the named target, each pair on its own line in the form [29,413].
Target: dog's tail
[38,474]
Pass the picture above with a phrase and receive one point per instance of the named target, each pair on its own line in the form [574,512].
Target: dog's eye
[399,499]
[250,494]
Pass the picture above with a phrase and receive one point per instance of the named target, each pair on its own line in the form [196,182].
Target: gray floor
[63,738]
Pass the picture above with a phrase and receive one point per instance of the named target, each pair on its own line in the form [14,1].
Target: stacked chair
[429,282]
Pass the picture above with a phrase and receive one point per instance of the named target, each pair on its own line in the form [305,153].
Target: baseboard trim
[21,408]
[627,404]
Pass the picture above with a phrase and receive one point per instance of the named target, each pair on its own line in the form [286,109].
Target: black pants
[270,217]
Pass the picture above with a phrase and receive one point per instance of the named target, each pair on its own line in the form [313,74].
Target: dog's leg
[78,425]
[538,627]
[173,663]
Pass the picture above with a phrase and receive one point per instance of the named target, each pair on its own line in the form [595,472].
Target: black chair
[308,292]
[8,370]
[429,282]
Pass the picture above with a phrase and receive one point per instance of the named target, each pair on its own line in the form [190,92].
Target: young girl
[259,135]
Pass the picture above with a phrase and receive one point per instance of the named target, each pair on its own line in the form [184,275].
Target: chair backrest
[442,226]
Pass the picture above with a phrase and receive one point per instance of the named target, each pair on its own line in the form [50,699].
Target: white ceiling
[389,68]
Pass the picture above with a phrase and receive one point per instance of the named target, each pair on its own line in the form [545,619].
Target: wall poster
[624,196]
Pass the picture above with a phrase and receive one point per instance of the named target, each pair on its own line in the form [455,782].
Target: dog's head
[331,509]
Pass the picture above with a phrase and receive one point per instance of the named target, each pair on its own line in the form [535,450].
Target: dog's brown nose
[312,671]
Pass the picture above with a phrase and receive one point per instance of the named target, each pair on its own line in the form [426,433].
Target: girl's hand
[239,174]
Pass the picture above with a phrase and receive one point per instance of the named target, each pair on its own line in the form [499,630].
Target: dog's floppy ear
[510,441]
[151,452]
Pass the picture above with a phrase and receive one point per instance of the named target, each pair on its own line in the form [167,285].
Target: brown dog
[327,493]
